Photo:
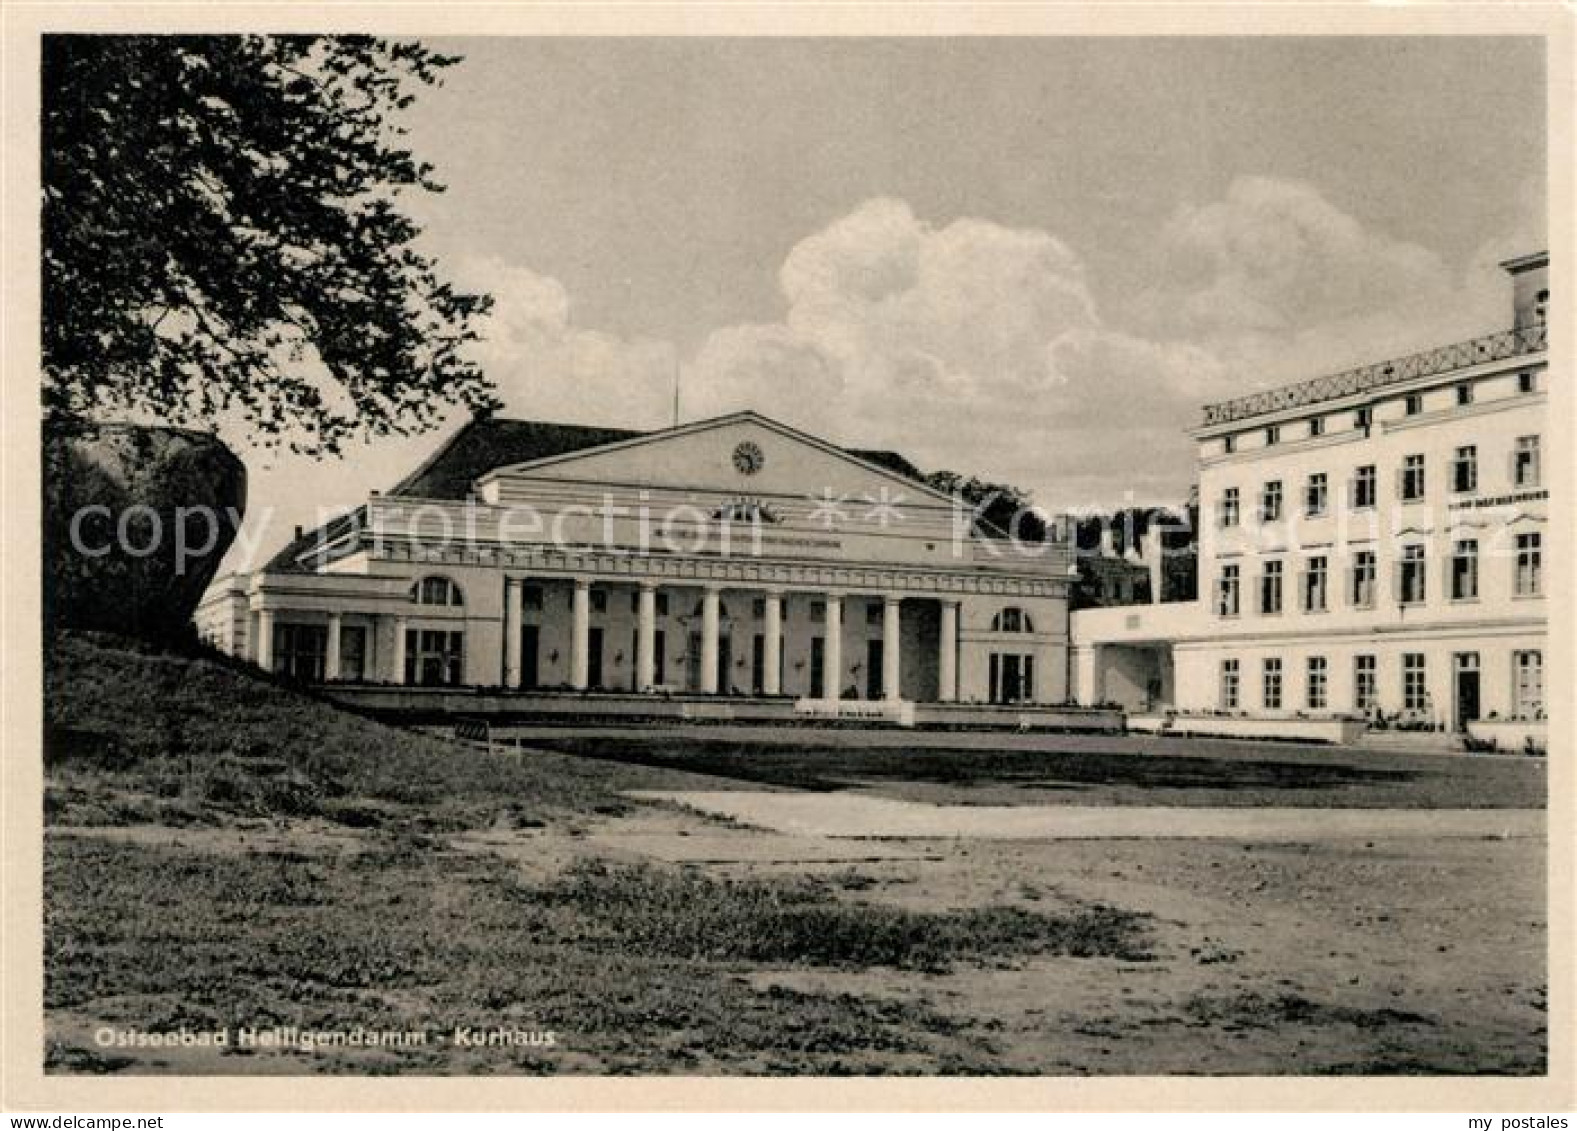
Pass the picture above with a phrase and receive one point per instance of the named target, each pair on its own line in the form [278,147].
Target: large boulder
[136,520]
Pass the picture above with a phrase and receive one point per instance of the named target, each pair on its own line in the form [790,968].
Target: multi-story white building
[1372,542]
[729,557]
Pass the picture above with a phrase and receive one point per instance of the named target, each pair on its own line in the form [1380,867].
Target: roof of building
[1499,346]
[486,443]
[493,442]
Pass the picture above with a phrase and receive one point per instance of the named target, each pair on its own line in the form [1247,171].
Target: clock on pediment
[748,457]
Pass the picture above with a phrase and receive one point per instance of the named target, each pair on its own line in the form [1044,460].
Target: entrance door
[818,665]
[725,664]
[594,658]
[530,648]
[873,669]
[1466,665]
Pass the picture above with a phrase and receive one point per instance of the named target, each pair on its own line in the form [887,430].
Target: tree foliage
[223,238]
[1001,508]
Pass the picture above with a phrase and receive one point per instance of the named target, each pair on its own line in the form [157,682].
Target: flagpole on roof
[676,385]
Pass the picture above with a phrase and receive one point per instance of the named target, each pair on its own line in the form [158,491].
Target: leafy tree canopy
[223,238]
[1001,507]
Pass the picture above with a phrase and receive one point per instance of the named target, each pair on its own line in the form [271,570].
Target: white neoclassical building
[1373,542]
[728,557]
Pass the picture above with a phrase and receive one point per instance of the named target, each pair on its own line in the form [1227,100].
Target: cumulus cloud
[547,368]
[971,345]
[1279,283]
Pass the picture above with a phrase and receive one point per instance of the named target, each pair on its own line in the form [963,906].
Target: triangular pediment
[744,454]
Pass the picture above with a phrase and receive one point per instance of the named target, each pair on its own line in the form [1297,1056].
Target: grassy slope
[316,885]
[134,735]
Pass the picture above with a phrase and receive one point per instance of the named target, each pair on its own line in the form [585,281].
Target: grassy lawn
[993,769]
[224,852]
[633,968]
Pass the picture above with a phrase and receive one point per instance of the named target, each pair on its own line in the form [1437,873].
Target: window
[434,657]
[531,598]
[1273,435]
[1363,575]
[1365,682]
[1316,495]
[1465,393]
[299,650]
[1227,591]
[818,615]
[1314,586]
[1527,673]
[1530,564]
[1270,589]
[1270,501]
[1525,471]
[1316,426]
[1464,469]
[1415,693]
[1363,487]
[1527,381]
[1270,683]
[1318,683]
[1229,444]
[436,591]
[599,600]
[1011,619]
[353,652]
[873,613]
[758,608]
[1412,478]
[1230,680]
[1363,418]
[1541,305]
[1414,404]
[1411,579]
[1229,507]
[1464,570]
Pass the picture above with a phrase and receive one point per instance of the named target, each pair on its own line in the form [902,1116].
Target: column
[264,652]
[709,631]
[832,672]
[580,644]
[398,675]
[892,640]
[331,660]
[512,596]
[646,638]
[947,658]
[772,646]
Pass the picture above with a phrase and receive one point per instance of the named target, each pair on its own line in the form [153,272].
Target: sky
[1032,260]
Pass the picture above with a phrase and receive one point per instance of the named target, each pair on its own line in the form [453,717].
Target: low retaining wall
[1338,731]
[416,704]
[973,716]
[1511,734]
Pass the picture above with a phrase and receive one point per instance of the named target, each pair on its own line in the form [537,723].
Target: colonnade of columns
[646,647]
[772,640]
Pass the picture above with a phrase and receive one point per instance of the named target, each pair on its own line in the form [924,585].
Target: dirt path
[856,815]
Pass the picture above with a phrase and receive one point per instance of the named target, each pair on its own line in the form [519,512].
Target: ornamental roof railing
[1442,359]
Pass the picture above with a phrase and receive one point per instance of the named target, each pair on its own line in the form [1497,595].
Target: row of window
[1363,416]
[1412,578]
[1363,487]
[1527,683]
